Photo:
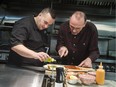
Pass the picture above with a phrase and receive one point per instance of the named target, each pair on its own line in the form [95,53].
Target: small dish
[52,66]
[92,73]
[87,79]
[73,80]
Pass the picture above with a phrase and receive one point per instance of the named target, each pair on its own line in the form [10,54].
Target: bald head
[78,18]
[77,22]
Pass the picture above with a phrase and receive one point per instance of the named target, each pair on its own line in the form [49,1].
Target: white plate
[52,66]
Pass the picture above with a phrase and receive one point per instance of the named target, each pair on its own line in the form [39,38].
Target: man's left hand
[86,63]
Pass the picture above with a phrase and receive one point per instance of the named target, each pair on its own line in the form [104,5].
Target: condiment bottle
[100,75]
[59,77]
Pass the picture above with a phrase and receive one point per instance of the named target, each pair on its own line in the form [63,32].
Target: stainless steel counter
[27,76]
[108,83]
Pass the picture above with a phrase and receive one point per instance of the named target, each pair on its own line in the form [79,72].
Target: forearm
[23,51]
[94,55]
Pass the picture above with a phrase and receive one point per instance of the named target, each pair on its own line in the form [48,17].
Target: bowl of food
[92,73]
[72,79]
[87,79]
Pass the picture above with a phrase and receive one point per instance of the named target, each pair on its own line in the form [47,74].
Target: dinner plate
[79,69]
[52,66]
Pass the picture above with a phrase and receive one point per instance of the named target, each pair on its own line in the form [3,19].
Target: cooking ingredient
[73,77]
[71,67]
[53,67]
[92,73]
[100,75]
[50,60]
[87,79]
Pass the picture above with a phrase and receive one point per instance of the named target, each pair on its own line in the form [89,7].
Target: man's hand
[42,56]
[86,63]
[63,51]
[25,52]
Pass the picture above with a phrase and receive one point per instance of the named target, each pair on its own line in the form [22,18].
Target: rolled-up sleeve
[18,35]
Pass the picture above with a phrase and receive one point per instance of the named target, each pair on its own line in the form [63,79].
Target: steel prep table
[27,76]
[30,76]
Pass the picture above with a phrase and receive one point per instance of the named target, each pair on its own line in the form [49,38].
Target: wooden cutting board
[77,68]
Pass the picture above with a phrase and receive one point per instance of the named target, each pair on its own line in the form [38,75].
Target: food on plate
[71,73]
[92,73]
[77,68]
[74,73]
[72,79]
[50,60]
[72,67]
[52,66]
[87,79]
[80,73]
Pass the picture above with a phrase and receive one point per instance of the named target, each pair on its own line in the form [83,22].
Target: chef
[77,42]
[28,39]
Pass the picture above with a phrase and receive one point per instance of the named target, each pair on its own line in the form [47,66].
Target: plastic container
[100,75]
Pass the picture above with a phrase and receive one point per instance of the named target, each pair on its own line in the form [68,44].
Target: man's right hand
[63,51]
[25,52]
[42,56]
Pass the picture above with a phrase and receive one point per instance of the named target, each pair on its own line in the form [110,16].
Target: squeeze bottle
[100,75]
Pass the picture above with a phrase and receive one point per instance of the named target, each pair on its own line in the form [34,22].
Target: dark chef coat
[26,32]
[80,46]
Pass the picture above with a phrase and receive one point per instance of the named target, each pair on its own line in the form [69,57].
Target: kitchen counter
[30,76]
[26,76]
[108,83]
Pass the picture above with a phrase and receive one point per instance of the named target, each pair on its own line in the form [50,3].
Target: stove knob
[112,68]
[107,68]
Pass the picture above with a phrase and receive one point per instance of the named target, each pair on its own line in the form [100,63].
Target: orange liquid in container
[100,75]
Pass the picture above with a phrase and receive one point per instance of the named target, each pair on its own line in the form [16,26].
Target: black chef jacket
[25,32]
[80,46]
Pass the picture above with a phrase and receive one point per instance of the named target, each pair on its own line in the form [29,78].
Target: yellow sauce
[100,75]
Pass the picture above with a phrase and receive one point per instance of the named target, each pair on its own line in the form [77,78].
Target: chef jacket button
[74,45]
[74,36]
